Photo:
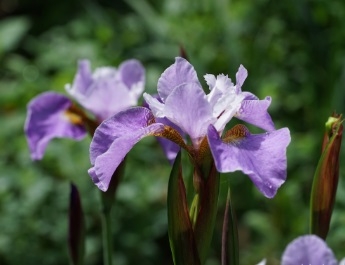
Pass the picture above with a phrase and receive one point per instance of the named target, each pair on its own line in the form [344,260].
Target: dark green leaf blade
[206,218]
[181,236]
[230,248]
[76,237]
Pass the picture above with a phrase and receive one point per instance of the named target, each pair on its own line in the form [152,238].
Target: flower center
[73,115]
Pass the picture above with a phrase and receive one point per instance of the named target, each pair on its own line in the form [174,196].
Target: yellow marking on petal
[236,133]
[204,150]
[172,135]
[73,117]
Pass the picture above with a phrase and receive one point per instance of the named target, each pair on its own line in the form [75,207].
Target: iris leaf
[181,236]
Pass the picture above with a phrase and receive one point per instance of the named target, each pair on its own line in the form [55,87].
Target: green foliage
[293,51]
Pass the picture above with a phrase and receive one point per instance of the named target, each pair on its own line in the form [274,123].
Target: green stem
[107,237]
[107,199]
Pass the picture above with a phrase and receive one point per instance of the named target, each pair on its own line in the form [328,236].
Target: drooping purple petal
[131,72]
[114,138]
[178,73]
[262,157]
[189,109]
[255,112]
[46,119]
[308,249]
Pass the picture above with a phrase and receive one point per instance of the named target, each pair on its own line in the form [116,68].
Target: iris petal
[107,96]
[262,157]
[178,73]
[189,109]
[108,90]
[114,138]
[241,76]
[132,72]
[82,80]
[255,112]
[170,148]
[46,120]
[308,249]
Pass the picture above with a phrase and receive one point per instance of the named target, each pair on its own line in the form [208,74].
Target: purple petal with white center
[255,112]
[107,97]
[188,108]
[108,90]
[46,119]
[241,76]
[308,249]
[114,138]
[178,73]
[131,72]
[260,156]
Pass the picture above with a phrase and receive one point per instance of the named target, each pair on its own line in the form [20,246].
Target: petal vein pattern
[260,156]
[189,109]
[108,90]
[115,137]
[179,73]
[46,119]
[308,249]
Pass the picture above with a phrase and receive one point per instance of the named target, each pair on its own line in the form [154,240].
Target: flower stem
[107,199]
[107,238]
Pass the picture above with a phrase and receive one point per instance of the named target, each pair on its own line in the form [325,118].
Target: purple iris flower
[203,118]
[103,93]
[308,250]
[50,115]
[108,90]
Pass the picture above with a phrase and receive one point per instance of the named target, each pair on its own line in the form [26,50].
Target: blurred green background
[294,51]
